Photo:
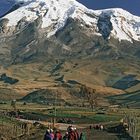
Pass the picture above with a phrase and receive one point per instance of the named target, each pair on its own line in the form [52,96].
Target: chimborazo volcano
[53,46]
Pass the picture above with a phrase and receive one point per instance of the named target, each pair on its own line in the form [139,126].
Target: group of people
[98,127]
[71,134]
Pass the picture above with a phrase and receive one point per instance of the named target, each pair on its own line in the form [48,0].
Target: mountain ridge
[94,48]
[125,26]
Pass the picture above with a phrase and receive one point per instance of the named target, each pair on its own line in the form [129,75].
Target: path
[102,135]
[90,134]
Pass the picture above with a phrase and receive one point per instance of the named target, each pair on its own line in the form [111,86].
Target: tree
[92,98]
[13,104]
[91,95]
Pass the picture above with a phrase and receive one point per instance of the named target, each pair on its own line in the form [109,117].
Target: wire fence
[10,129]
[133,121]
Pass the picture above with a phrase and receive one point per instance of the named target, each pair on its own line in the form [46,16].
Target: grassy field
[78,115]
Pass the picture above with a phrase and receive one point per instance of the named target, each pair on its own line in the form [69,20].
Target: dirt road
[104,135]
[100,135]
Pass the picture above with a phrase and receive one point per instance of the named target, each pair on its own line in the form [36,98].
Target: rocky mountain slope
[48,43]
[58,24]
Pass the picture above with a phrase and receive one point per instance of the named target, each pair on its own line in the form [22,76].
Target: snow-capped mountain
[43,29]
[116,23]
[61,44]
[65,41]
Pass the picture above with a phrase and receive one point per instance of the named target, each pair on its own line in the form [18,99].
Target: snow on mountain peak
[55,13]
[125,25]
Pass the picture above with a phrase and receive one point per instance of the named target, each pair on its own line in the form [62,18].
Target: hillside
[128,99]
[58,45]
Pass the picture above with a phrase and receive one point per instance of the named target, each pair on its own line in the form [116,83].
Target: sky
[133,6]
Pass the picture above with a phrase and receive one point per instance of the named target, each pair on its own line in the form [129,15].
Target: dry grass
[92,73]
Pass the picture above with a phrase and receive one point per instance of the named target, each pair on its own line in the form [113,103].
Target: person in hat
[57,135]
[52,134]
[47,135]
